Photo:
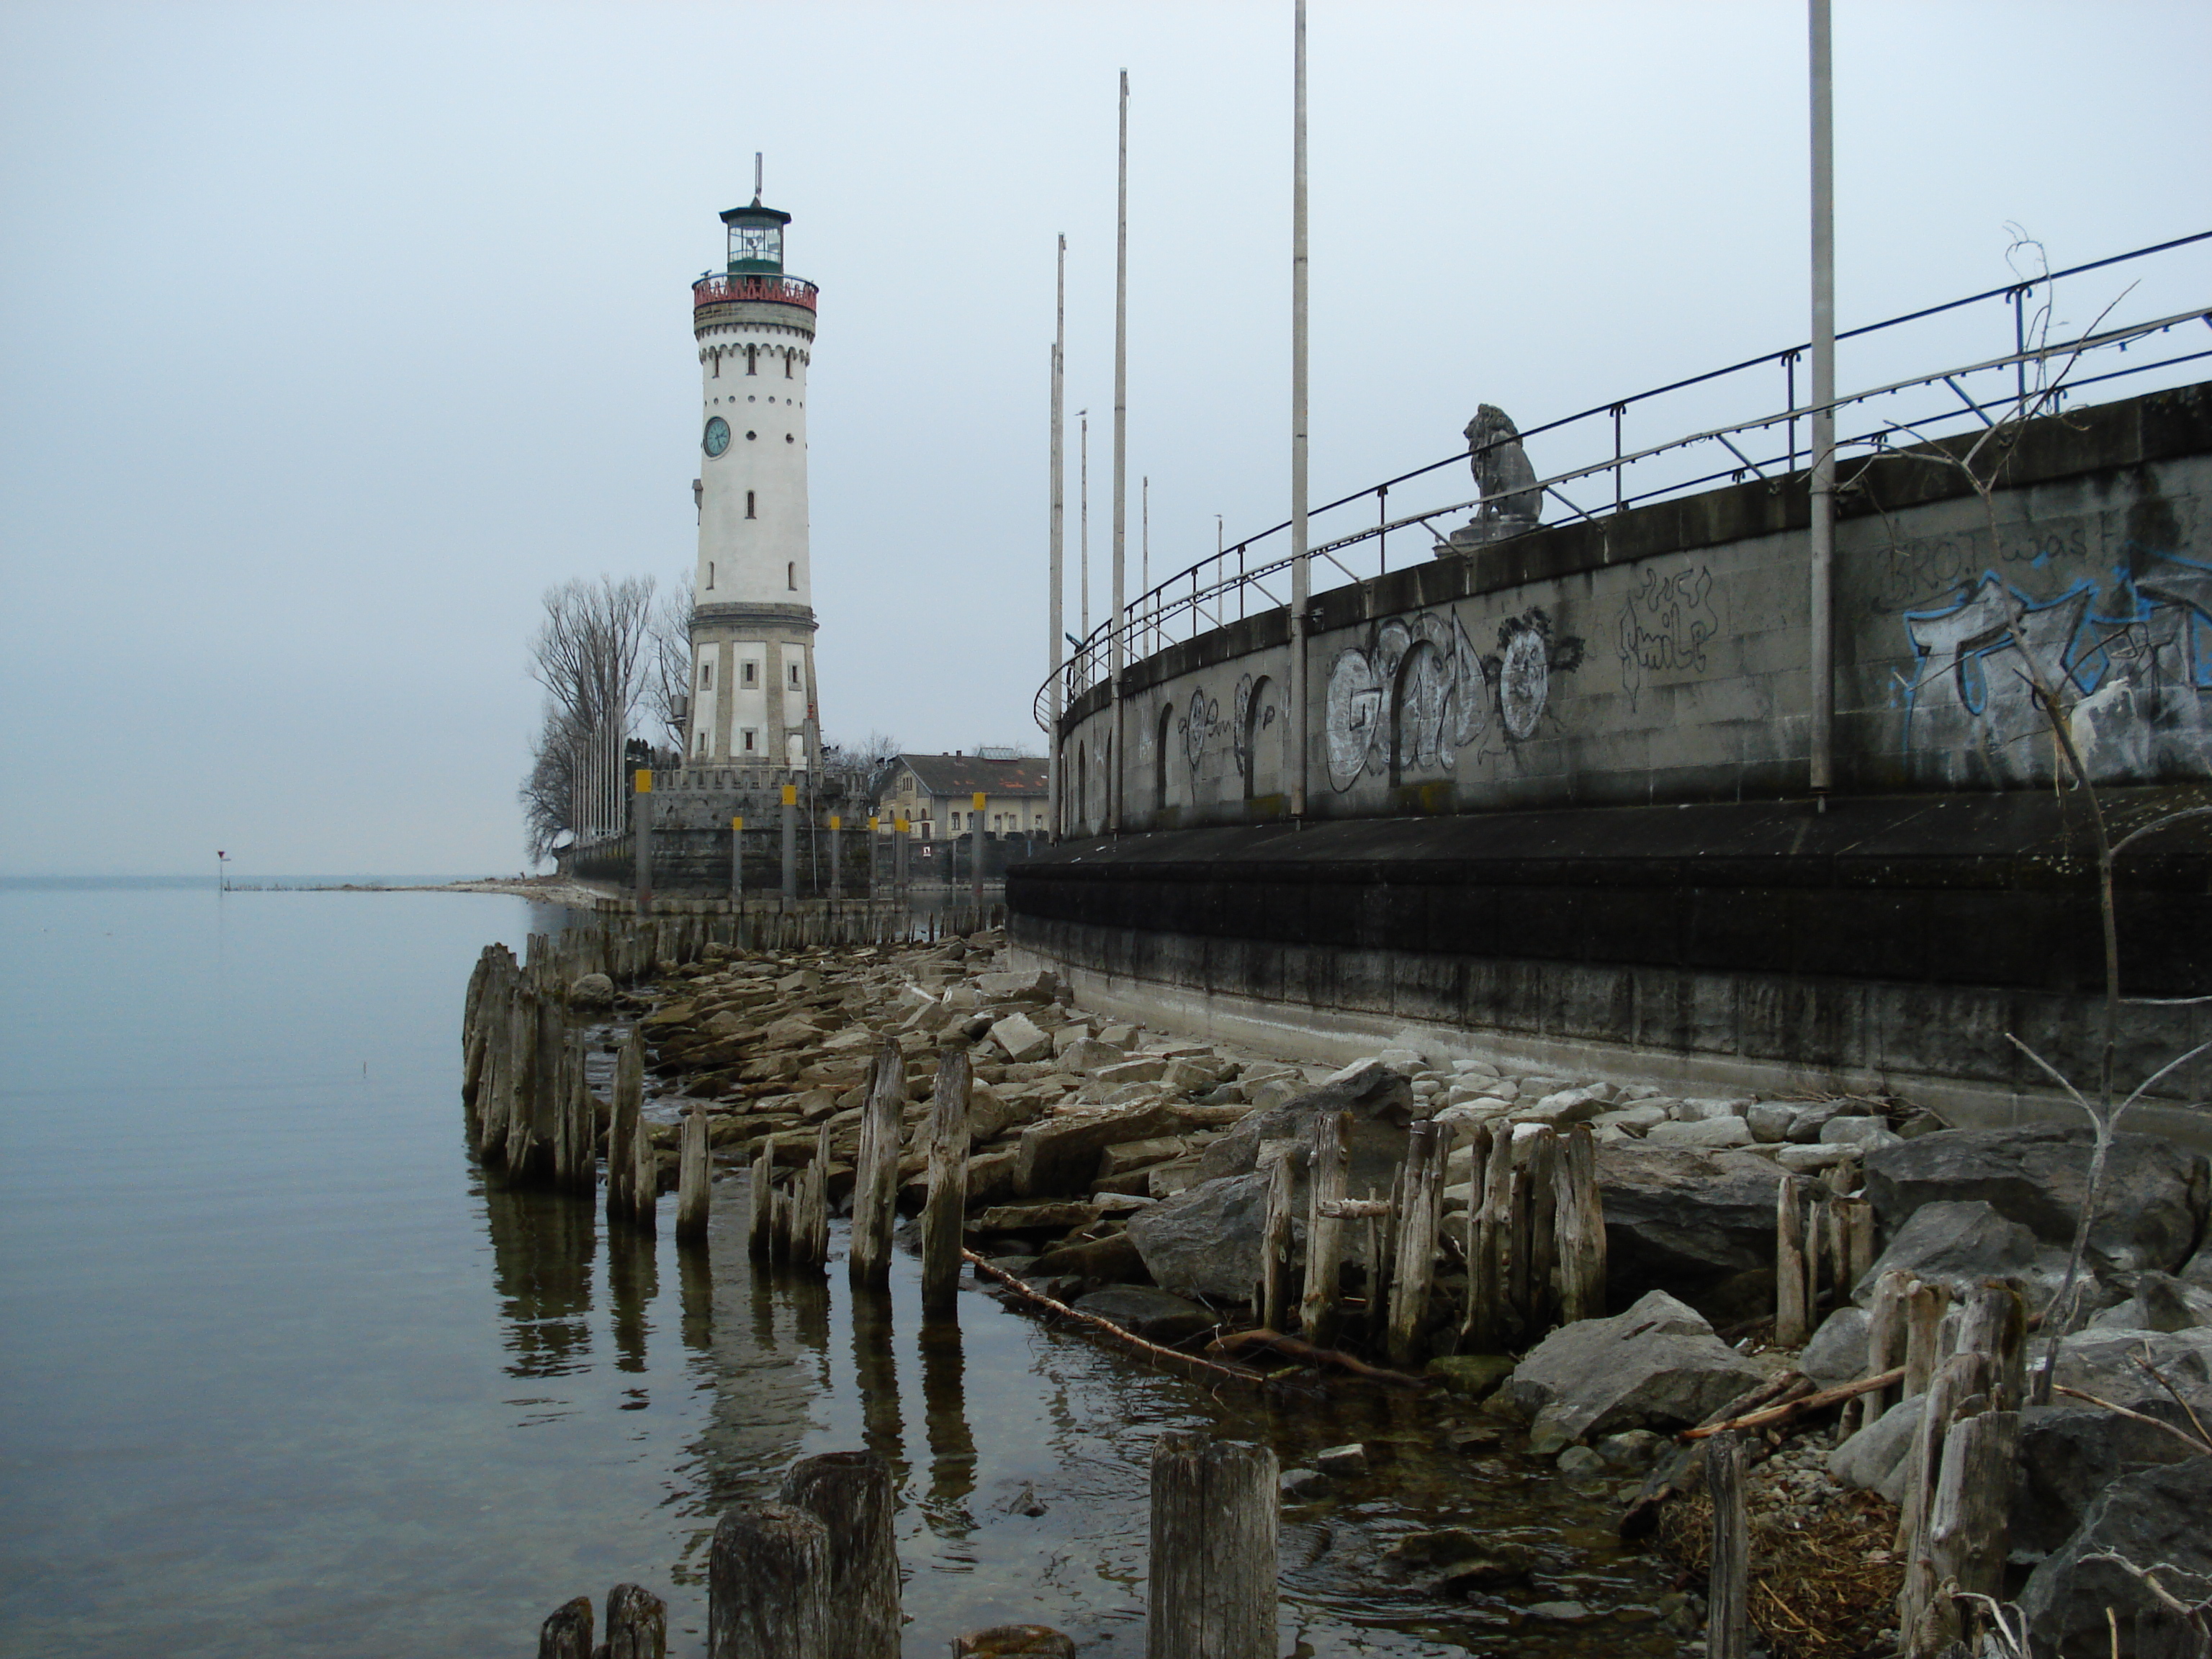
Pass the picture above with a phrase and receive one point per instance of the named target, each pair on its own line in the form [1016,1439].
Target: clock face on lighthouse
[718,436]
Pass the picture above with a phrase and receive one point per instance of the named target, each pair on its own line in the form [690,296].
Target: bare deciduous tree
[668,665]
[586,654]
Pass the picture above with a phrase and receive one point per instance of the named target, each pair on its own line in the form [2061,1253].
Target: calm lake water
[281,1373]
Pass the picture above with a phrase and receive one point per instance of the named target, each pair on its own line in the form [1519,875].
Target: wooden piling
[1580,1256]
[1924,1307]
[1013,1641]
[1493,1235]
[645,1179]
[1210,1589]
[767,1584]
[1328,1168]
[1543,1227]
[1414,1269]
[760,1201]
[567,1633]
[637,1624]
[1728,1594]
[1858,1253]
[1969,1526]
[693,1179]
[623,1127]
[852,1494]
[1995,1322]
[809,1243]
[1273,1296]
[945,1211]
[1885,1346]
[1790,1315]
[875,1179]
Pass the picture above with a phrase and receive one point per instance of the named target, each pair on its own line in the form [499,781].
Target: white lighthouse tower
[752,624]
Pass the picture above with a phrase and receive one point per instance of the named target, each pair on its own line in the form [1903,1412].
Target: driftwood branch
[1794,1404]
[1173,1357]
[1295,1348]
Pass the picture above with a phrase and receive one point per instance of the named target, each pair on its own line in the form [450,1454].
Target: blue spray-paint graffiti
[2132,656]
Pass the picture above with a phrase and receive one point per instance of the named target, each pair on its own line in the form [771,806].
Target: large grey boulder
[1872,1460]
[2199,1270]
[2153,1210]
[1674,1217]
[1061,1154]
[1957,1245]
[2154,1516]
[1205,1241]
[2101,1361]
[1838,1351]
[2159,1302]
[1155,1314]
[2069,1454]
[1658,1366]
[1369,1089]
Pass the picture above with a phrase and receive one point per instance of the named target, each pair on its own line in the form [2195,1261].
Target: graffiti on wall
[1417,692]
[1248,725]
[1665,621]
[2132,656]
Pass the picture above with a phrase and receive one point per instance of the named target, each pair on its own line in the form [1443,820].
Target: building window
[786,364]
[752,673]
[701,749]
[794,676]
[705,677]
[752,365]
[791,575]
[710,573]
[748,740]
[751,505]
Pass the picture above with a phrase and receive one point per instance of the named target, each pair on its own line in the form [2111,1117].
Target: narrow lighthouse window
[791,576]
[752,365]
[787,365]
[749,504]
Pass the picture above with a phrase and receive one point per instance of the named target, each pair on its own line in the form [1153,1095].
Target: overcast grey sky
[332,335]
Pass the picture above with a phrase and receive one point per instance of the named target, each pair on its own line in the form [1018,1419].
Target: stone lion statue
[1503,477]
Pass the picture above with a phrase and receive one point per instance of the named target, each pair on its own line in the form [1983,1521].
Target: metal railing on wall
[1252,576]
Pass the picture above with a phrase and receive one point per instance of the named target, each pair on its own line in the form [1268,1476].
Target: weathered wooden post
[898,856]
[625,1124]
[641,837]
[644,1180]
[768,1585]
[737,866]
[875,1178]
[836,856]
[1581,1211]
[1958,1380]
[1329,1168]
[637,1624]
[1415,1267]
[944,1212]
[567,1633]
[1543,1225]
[760,1202]
[1493,1233]
[790,846]
[1995,1322]
[812,1249]
[1728,1597]
[1969,1526]
[1885,1346]
[851,1493]
[1210,1586]
[1274,1288]
[1791,1313]
[1925,1305]
[875,823]
[693,1179]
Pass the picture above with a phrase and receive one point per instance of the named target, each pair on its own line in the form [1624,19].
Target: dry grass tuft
[1824,1589]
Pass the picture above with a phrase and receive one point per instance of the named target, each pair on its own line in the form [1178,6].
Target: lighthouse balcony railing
[1704,438]
[713,289]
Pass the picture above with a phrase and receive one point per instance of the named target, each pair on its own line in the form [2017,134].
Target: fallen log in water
[1291,1347]
[1174,1357]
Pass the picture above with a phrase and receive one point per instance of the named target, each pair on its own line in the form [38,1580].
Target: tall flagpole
[1057,536]
[1820,610]
[1301,578]
[1116,654]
